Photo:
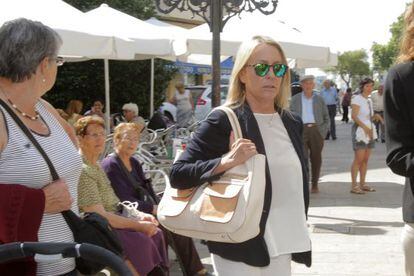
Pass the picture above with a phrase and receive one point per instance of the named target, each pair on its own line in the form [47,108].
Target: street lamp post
[216,13]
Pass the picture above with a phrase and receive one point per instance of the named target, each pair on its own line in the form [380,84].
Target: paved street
[351,234]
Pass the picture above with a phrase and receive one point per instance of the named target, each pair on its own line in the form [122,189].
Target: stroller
[55,251]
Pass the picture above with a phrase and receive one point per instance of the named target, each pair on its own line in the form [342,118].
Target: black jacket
[203,155]
[399,129]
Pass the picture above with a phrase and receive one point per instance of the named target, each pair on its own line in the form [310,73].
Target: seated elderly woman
[129,183]
[142,240]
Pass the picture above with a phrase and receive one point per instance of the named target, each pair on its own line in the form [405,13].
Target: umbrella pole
[152,89]
[107,98]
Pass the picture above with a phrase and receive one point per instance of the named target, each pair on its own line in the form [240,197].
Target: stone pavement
[351,234]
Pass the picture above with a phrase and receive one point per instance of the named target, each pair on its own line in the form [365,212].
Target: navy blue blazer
[203,155]
[399,129]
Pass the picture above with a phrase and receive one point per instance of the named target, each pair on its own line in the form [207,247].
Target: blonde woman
[399,130]
[73,111]
[258,94]
[184,102]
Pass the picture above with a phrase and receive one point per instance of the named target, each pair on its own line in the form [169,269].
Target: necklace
[271,120]
[34,118]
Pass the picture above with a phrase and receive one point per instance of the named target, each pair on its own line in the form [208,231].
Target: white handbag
[227,210]
[130,209]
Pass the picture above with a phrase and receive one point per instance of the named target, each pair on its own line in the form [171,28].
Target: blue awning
[200,69]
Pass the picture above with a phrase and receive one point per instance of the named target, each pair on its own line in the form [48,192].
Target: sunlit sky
[342,24]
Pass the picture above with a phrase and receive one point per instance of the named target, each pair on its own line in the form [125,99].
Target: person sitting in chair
[130,184]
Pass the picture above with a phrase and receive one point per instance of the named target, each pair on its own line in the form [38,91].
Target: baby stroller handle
[90,252]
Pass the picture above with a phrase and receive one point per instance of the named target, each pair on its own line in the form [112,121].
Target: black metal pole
[216,22]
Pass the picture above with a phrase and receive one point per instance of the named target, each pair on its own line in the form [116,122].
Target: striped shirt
[21,163]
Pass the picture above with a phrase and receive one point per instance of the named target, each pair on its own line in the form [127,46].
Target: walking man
[378,106]
[330,96]
[314,113]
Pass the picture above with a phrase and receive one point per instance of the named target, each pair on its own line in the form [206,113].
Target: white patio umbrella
[78,39]
[148,41]
[293,42]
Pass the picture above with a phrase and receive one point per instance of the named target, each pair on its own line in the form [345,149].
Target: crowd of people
[290,132]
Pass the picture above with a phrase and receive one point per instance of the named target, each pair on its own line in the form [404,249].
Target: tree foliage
[129,80]
[352,65]
[384,55]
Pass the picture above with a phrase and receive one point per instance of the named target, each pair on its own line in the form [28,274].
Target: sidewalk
[353,235]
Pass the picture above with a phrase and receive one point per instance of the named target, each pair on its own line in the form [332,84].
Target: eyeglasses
[59,61]
[96,135]
[262,69]
[134,138]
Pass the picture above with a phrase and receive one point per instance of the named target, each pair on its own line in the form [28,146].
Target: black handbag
[93,228]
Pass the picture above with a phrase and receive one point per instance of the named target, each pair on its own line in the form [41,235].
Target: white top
[183,100]
[286,229]
[377,101]
[364,104]
[21,163]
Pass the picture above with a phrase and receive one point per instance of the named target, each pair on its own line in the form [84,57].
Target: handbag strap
[234,122]
[30,136]
[28,133]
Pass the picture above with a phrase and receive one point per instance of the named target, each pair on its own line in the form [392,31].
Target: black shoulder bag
[93,228]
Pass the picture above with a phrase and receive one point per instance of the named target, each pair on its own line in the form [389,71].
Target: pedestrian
[258,94]
[362,136]
[399,130]
[330,96]
[30,211]
[378,105]
[315,117]
[346,102]
[184,102]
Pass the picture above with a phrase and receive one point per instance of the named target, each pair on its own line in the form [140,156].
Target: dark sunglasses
[262,69]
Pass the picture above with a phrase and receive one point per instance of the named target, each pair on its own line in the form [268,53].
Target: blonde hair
[124,127]
[237,95]
[407,45]
[82,124]
[74,106]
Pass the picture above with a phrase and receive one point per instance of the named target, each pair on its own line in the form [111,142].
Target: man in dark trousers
[330,96]
[314,113]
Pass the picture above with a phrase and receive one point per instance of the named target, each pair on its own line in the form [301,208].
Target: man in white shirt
[378,106]
[315,117]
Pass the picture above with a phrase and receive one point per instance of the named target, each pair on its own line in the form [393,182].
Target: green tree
[352,65]
[384,55]
[129,80]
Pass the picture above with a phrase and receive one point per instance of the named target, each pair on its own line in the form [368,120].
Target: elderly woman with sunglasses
[258,94]
[141,239]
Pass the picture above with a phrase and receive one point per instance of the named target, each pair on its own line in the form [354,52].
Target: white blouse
[286,228]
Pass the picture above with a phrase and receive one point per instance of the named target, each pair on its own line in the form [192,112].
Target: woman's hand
[240,151]
[57,197]
[368,132]
[146,227]
[148,217]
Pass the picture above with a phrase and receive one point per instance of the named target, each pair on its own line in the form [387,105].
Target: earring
[44,80]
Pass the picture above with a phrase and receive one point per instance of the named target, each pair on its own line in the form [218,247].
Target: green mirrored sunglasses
[262,69]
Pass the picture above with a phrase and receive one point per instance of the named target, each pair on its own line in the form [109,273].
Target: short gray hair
[23,45]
